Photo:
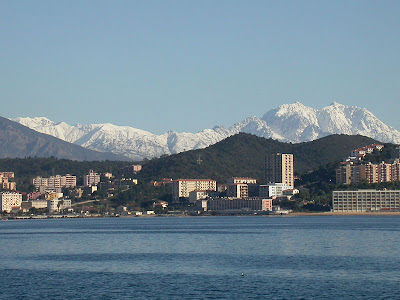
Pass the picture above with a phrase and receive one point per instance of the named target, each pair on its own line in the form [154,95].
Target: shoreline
[294,214]
[329,213]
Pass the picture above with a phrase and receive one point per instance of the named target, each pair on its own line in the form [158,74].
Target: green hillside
[244,155]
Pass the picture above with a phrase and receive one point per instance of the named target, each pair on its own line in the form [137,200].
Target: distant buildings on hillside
[354,171]
[239,193]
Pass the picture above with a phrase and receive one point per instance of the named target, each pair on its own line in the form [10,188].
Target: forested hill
[244,155]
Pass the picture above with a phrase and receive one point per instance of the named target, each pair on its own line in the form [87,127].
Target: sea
[233,257]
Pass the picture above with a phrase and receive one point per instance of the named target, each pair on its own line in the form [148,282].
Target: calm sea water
[329,257]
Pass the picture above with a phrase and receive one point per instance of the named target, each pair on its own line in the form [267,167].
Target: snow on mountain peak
[288,122]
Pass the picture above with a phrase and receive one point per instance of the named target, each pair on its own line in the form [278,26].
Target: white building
[58,204]
[246,180]
[273,190]
[10,201]
[182,187]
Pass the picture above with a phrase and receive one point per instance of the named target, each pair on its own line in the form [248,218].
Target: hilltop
[244,155]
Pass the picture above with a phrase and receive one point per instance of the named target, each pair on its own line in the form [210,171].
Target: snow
[289,123]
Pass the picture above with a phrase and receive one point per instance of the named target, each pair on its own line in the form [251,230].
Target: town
[60,196]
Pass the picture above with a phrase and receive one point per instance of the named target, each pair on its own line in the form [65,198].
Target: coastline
[294,214]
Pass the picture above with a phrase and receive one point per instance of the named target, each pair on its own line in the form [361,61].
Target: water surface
[303,257]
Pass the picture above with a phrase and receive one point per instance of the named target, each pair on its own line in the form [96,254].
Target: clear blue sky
[189,65]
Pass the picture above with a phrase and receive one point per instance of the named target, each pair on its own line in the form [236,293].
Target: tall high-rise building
[279,169]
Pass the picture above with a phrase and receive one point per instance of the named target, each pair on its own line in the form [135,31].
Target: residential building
[10,201]
[200,195]
[366,200]
[9,175]
[53,196]
[91,179]
[182,187]
[33,196]
[238,190]
[369,173]
[5,182]
[236,205]
[245,180]
[56,205]
[131,170]
[273,190]
[57,181]
[279,169]
[242,187]
[108,175]
[343,174]
[38,204]
[366,150]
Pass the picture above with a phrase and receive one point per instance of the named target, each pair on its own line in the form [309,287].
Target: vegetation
[244,155]
[239,155]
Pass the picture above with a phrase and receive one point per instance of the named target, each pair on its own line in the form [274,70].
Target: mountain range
[294,123]
[18,141]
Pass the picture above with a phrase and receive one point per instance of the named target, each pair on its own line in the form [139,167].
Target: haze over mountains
[293,123]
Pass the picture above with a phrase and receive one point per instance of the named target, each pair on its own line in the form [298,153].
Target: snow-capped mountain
[289,123]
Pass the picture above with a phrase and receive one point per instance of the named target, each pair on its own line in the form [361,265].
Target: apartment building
[273,190]
[131,170]
[5,182]
[246,180]
[200,195]
[58,181]
[10,201]
[366,200]
[58,204]
[91,179]
[279,169]
[370,173]
[236,205]
[182,187]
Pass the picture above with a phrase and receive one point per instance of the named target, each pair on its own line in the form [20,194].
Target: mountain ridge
[19,141]
[293,123]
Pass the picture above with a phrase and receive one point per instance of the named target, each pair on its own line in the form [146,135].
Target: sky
[190,65]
